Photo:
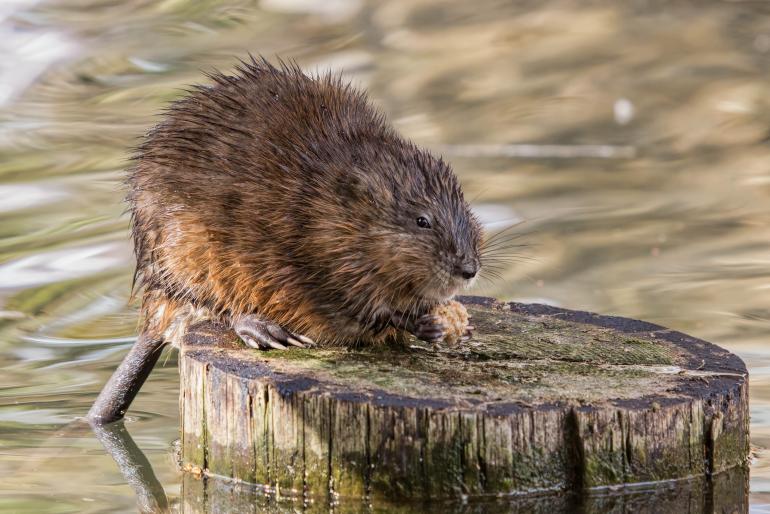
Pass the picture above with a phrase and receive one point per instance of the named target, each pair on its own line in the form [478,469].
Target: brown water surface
[628,139]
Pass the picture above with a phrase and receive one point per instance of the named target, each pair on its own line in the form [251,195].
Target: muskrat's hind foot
[263,335]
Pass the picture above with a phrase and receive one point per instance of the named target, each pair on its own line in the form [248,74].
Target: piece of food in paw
[455,318]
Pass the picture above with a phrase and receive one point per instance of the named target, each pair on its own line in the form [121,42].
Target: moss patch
[512,357]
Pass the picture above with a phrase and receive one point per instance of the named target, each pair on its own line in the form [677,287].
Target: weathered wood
[542,399]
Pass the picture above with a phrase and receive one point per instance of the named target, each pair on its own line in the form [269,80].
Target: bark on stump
[541,399]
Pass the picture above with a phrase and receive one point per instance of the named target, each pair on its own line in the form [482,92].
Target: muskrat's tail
[121,389]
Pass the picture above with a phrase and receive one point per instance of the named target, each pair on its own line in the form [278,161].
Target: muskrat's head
[426,237]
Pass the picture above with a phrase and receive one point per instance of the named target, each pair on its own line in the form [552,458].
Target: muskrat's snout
[466,266]
[467,262]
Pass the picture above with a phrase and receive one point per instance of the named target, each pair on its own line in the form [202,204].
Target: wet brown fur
[287,196]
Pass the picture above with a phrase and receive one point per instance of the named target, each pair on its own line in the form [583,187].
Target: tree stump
[542,399]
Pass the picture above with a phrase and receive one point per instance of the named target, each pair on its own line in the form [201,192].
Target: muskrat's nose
[467,269]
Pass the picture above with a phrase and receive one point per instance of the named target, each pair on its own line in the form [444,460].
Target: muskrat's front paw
[263,335]
[430,328]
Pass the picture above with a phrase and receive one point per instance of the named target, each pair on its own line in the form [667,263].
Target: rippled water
[629,138]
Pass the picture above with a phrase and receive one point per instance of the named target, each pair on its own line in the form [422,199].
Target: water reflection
[134,466]
[629,139]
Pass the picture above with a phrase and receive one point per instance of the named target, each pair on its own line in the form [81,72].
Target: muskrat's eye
[423,222]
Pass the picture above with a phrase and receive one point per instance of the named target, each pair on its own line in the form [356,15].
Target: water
[629,138]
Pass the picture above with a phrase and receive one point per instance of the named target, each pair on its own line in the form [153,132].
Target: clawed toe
[264,335]
[304,340]
[430,328]
[282,335]
[468,334]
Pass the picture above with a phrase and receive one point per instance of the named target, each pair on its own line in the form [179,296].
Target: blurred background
[628,141]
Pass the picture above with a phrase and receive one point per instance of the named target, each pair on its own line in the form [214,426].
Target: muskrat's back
[282,195]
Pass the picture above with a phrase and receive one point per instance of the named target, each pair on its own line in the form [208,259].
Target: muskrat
[286,206]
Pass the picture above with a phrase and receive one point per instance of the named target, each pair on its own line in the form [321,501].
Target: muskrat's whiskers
[493,273]
[507,259]
[502,256]
[506,231]
[504,251]
[491,242]
[487,280]
[503,247]
[503,243]
[507,248]
[503,237]
[498,269]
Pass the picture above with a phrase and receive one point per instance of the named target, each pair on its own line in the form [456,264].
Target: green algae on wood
[725,492]
[542,399]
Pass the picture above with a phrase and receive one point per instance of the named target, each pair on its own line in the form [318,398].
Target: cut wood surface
[541,399]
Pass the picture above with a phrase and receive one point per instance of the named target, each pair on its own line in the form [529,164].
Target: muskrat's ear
[352,187]
[359,186]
